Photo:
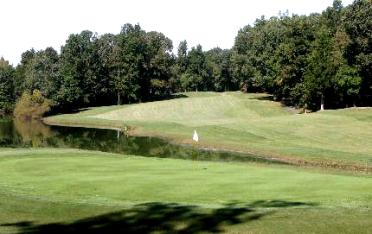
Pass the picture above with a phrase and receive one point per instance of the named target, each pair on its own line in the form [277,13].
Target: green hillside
[245,122]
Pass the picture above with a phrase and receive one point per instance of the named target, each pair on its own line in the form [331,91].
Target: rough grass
[245,122]
[68,187]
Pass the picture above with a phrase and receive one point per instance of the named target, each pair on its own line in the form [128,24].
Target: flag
[195,137]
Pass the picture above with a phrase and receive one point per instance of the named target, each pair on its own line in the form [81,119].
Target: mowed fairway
[65,190]
[245,122]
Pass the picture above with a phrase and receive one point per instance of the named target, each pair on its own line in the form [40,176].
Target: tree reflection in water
[33,132]
[19,133]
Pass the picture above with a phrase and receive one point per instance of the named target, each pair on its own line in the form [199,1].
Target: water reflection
[33,132]
[17,133]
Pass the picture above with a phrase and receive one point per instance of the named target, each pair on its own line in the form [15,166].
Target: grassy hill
[75,191]
[245,122]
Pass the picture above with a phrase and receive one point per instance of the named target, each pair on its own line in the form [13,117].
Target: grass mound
[246,122]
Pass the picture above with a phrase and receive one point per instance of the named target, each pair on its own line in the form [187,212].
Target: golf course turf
[50,190]
[60,190]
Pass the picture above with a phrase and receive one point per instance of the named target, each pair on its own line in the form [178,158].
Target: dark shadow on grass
[174,96]
[160,98]
[75,111]
[163,218]
[267,97]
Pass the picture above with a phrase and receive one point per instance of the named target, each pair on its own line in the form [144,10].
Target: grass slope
[245,122]
[100,192]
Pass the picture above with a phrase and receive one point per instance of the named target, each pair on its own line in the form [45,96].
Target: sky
[38,24]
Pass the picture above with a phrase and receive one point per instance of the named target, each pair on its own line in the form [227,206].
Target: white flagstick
[195,137]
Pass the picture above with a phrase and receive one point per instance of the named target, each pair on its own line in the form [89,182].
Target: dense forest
[304,61]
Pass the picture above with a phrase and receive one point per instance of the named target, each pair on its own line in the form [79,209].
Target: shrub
[32,106]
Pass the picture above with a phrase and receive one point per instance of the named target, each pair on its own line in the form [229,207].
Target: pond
[15,133]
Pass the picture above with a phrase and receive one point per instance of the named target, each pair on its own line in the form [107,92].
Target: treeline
[303,61]
[310,60]
[91,70]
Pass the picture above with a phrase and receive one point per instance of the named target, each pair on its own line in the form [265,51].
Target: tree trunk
[322,103]
[119,99]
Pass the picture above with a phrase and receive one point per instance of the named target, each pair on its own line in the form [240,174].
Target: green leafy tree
[6,86]
[348,83]
[242,59]
[130,60]
[179,68]
[186,81]
[319,76]
[79,77]
[20,74]
[197,70]
[329,74]
[106,62]
[42,73]
[253,60]
[348,80]
[158,61]
[182,60]
[137,63]
[291,56]
[358,25]
[218,63]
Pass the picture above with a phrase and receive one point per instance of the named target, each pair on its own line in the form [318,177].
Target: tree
[348,83]
[130,60]
[186,81]
[6,86]
[197,71]
[179,68]
[104,67]
[137,63]
[332,16]
[242,59]
[158,61]
[320,69]
[42,73]
[348,80]
[358,25]
[218,64]
[32,106]
[329,73]
[182,60]
[20,74]
[291,56]
[79,78]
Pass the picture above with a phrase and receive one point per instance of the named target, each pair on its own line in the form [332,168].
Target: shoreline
[289,161]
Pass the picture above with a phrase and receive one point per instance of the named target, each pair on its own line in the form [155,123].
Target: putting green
[101,178]
[65,190]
